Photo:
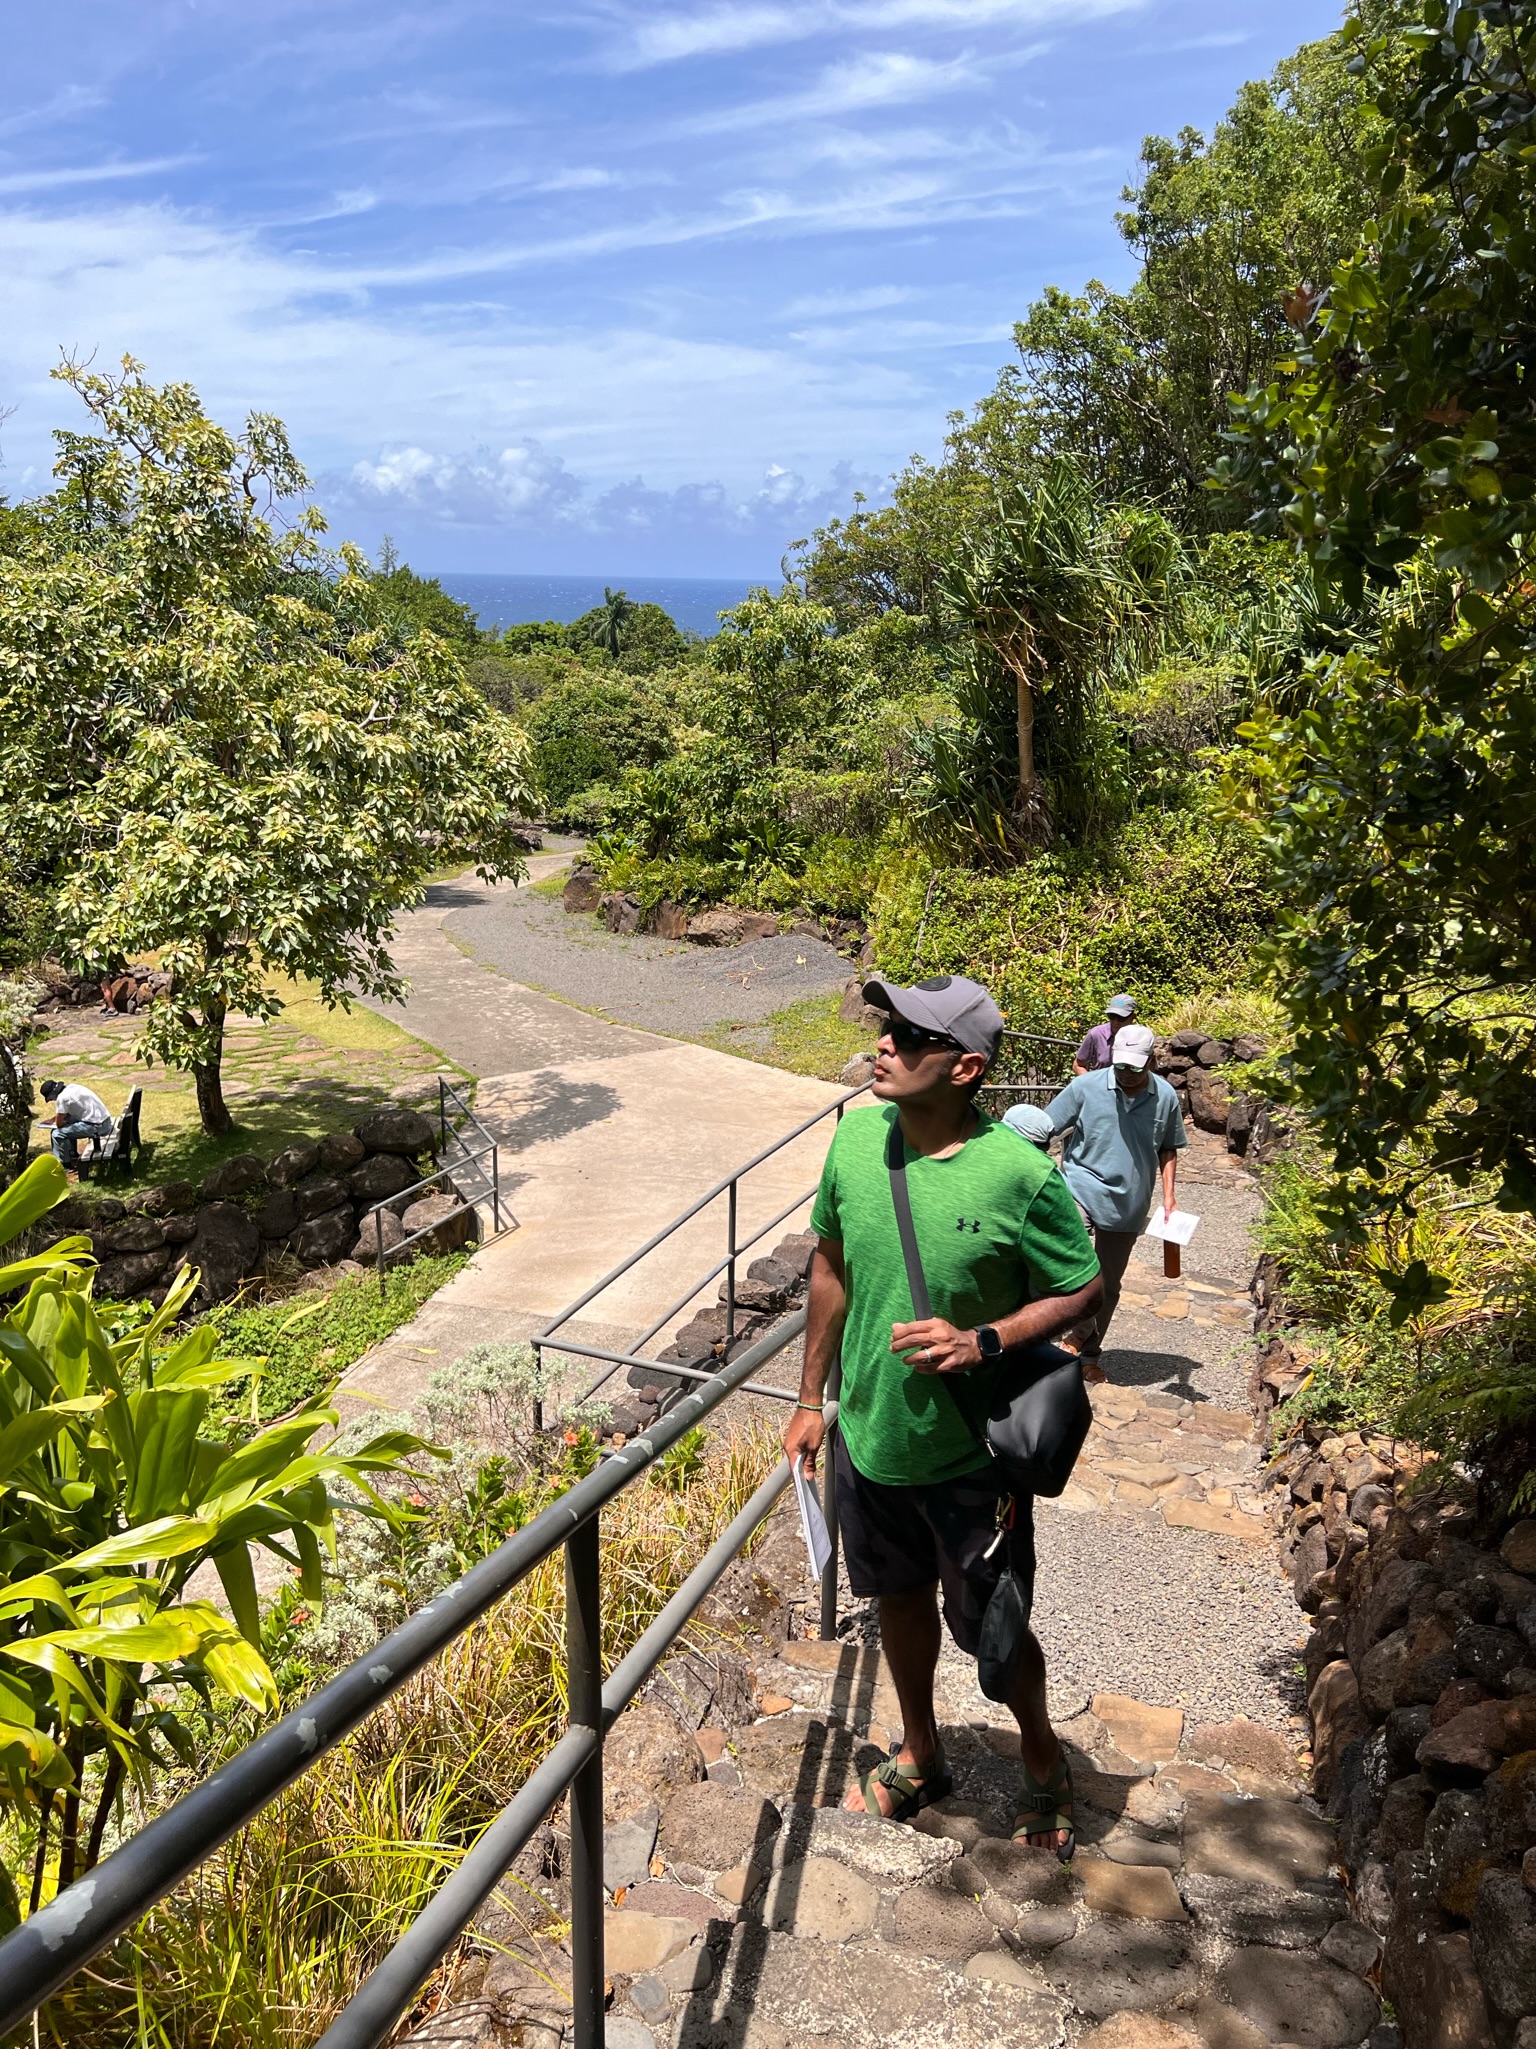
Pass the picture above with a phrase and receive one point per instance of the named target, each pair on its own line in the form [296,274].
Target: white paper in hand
[1177,1229]
[813,1523]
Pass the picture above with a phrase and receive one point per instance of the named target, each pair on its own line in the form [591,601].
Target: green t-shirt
[996,1226]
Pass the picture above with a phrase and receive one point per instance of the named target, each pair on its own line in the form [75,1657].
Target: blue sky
[602,287]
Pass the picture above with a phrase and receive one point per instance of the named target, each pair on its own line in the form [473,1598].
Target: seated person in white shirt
[78,1112]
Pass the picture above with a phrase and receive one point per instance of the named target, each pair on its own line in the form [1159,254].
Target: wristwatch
[988,1343]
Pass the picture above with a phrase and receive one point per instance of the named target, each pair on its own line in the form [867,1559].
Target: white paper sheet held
[812,1522]
[1177,1229]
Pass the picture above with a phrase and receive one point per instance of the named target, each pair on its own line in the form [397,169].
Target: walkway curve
[606,1133]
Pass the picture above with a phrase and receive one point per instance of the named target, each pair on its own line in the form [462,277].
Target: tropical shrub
[590,728]
[270,1938]
[1174,903]
[113,1493]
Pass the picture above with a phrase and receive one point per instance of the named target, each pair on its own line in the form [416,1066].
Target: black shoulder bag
[1038,1412]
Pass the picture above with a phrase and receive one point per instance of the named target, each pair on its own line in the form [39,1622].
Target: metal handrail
[382,1253]
[48,1948]
[1037,1090]
[546,1339]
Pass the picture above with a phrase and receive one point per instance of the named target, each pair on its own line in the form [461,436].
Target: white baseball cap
[1133,1046]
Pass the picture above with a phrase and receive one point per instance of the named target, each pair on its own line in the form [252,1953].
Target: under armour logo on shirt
[964,1224]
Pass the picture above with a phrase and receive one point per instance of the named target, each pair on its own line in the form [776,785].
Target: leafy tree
[1135,385]
[115,1494]
[1047,601]
[638,638]
[780,672]
[891,559]
[1399,449]
[591,728]
[421,603]
[604,626]
[220,740]
[533,636]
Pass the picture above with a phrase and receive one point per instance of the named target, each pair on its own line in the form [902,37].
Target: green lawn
[807,1037]
[310,1071]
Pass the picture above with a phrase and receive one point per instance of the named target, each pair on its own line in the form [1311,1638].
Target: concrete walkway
[606,1133]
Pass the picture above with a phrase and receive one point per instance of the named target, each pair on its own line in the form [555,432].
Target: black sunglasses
[911,1038]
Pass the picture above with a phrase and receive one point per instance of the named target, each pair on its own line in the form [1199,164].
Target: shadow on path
[1169,1372]
[547,1105]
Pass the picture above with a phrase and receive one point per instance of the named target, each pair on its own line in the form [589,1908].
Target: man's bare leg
[910,1638]
[1039,1745]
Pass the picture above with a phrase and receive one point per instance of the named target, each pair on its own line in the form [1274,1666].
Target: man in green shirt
[1007,1262]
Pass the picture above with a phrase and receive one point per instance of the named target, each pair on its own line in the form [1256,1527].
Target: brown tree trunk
[69,1835]
[1026,716]
[211,1106]
[209,1076]
[1015,654]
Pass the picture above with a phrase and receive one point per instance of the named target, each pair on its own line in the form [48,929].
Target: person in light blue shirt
[1126,1132]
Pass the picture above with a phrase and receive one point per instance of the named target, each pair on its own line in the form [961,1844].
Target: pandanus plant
[115,1488]
[1055,594]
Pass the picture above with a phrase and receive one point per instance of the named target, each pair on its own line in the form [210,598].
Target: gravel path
[658,985]
[1123,1604]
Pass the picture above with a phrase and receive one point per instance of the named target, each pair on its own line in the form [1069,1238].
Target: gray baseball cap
[1121,1006]
[951,1004]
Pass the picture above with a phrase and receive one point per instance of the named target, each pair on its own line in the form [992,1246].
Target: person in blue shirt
[1126,1133]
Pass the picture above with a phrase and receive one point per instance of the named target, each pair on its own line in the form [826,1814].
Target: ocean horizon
[501,601]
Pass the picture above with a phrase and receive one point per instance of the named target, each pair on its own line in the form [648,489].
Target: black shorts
[897,1539]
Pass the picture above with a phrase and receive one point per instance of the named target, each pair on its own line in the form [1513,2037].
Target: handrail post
[378,1241]
[496,1187]
[730,1271]
[584,1695]
[829,1509]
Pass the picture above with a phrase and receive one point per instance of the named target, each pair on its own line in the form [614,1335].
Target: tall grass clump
[264,1945]
[1420,1324]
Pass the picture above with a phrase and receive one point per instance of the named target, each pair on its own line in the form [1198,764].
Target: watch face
[988,1340]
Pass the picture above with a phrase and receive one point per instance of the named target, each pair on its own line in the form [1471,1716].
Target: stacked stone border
[309,1204]
[1421,1681]
[766,1290]
[716,925]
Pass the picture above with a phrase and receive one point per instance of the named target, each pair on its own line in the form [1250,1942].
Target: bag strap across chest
[901,1202]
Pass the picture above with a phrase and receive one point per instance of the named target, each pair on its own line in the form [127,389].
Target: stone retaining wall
[716,925]
[309,1203]
[766,1290]
[1421,1676]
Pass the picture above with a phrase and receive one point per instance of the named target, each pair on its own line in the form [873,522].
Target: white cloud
[519,486]
[374,392]
[66,104]
[819,304]
[720,31]
[13,183]
[524,492]
[587,178]
[886,78]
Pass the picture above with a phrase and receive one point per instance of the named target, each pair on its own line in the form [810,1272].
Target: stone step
[1194,1465]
